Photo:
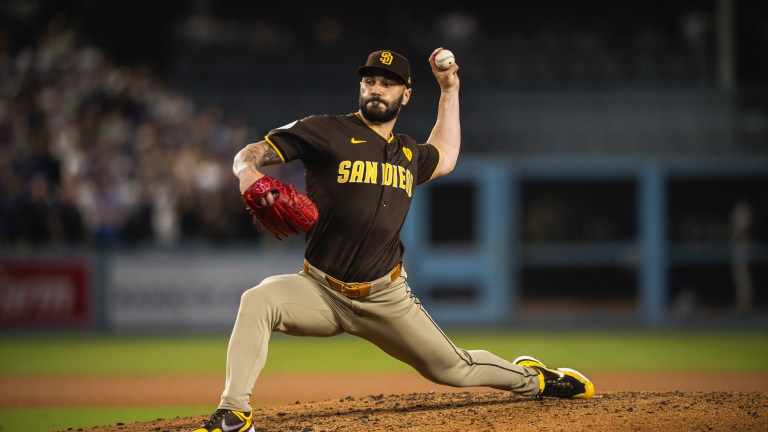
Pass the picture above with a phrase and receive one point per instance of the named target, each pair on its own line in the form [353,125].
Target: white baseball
[444,59]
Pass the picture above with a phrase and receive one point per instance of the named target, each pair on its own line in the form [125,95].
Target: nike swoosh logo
[356,141]
[227,428]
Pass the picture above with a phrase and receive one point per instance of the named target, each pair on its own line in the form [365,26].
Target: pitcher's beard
[376,115]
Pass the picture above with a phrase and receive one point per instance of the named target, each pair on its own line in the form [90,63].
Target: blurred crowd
[94,153]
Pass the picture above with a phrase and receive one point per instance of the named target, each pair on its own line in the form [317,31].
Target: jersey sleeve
[298,139]
[429,158]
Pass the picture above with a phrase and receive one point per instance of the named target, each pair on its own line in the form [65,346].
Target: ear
[407,95]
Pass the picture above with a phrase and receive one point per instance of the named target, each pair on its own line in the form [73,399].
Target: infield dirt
[636,402]
[494,411]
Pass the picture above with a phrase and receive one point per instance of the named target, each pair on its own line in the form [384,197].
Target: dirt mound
[495,411]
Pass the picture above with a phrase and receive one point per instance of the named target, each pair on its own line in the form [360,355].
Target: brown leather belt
[357,290]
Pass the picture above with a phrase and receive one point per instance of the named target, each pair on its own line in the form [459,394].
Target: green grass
[50,419]
[80,354]
[105,354]
[186,354]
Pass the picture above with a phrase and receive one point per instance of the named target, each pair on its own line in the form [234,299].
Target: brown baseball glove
[291,213]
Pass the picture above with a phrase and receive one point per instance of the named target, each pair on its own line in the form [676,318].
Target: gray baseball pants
[391,317]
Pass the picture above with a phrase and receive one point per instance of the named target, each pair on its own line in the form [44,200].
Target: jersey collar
[360,117]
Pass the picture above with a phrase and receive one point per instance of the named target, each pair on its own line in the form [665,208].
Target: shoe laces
[215,417]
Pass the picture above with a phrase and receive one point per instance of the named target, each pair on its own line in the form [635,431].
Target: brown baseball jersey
[362,184]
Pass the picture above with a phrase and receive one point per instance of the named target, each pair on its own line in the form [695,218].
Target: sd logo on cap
[388,64]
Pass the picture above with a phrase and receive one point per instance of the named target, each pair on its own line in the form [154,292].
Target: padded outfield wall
[472,255]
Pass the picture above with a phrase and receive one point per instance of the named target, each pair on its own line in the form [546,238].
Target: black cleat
[224,420]
[561,382]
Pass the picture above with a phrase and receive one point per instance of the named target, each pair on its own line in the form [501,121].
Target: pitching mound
[495,411]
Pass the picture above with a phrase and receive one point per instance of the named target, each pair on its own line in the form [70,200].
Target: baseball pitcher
[361,178]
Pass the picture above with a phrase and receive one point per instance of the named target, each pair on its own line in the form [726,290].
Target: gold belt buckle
[356,290]
[359,290]
[352,291]
[348,291]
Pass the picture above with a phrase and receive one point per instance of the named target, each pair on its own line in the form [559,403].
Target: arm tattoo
[271,157]
[254,156]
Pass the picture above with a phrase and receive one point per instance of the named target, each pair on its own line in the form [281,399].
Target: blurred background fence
[614,166]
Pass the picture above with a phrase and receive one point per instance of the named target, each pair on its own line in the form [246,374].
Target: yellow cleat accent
[560,382]
[224,420]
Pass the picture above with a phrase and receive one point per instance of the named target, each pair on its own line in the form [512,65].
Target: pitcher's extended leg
[395,321]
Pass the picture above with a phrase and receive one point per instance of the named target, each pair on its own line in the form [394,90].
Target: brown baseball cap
[389,64]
